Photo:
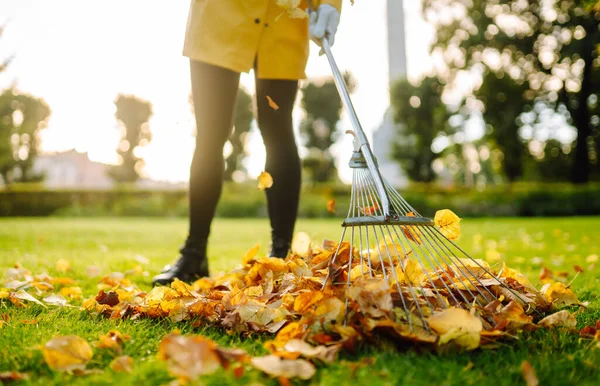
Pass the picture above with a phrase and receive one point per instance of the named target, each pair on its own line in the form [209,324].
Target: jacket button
[266,24]
[257,20]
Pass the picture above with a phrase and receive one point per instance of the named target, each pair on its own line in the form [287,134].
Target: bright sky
[78,55]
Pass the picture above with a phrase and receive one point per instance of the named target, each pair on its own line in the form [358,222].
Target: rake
[388,239]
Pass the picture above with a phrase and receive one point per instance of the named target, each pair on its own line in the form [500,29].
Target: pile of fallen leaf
[300,301]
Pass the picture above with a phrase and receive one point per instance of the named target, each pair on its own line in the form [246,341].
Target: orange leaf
[265,181]
[331,206]
[272,103]
[188,357]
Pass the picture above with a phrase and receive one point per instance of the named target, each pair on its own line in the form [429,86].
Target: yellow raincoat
[234,33]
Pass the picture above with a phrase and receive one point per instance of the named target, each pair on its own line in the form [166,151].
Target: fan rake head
[425,271]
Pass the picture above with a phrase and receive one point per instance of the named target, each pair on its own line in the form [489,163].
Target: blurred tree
[22,116]
[503,130]
[422,117]
[242,124]
[323,108]
[549,46]
[133,114]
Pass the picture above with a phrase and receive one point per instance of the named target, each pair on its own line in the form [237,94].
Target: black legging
[214,92]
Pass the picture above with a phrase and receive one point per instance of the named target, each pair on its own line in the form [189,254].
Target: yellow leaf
[301,244]
[250,254]
[63,265]
[277,367]
[122,364]
[265,181]
[331,206]
[272,103]
[559,294]
[448,223]
[67,353]
[457,326]
[71,292]
[305,301]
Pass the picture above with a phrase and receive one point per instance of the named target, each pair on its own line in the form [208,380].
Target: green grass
[559,358]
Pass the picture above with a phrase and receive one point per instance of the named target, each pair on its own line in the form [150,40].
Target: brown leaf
[277,367]
[110,299]
[529,374]
[67,353]
[122,364]
[326,354]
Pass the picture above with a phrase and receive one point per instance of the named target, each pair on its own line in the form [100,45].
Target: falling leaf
[545,274]
[412,232]
[458,326]
[265,181]
[63,265]
[529,374]
[331,206]
[250,254]
[301,243]
[272,103]
[277,367]
[67,353]
[448,223]
[562,318]
[122,364]
[189,357]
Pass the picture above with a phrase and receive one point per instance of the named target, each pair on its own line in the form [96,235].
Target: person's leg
[283,162]
[214,92]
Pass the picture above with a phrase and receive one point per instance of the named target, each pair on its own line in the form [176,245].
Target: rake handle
[365,147]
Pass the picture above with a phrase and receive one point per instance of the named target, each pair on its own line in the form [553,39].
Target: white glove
[324,23]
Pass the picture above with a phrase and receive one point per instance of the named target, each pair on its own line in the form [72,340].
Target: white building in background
[71,169]
[386,134]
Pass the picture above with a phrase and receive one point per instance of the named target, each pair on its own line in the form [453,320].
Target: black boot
[280,247]
[191,265]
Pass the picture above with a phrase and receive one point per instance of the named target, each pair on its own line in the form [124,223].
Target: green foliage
[550,48]
[422,117]
[323,107]
[242,125]
[22,116]
[133,114]
[243,200]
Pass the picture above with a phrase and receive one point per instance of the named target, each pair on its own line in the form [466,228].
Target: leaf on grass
[67,353]
[63,265]
[12,376]
[189,357]
[71,292]
[559,294]
[272,103]
[92,271]
[112,340]
[110,299]
[122,364]
[529,374]
[562,318]
[22,295]
[55,300]
[277,367]
[457,326]
[448,223]
[326,354]
[265,181]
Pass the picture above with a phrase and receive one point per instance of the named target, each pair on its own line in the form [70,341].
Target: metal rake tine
[333,259]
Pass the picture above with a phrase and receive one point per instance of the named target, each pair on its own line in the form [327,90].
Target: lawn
[558,357]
